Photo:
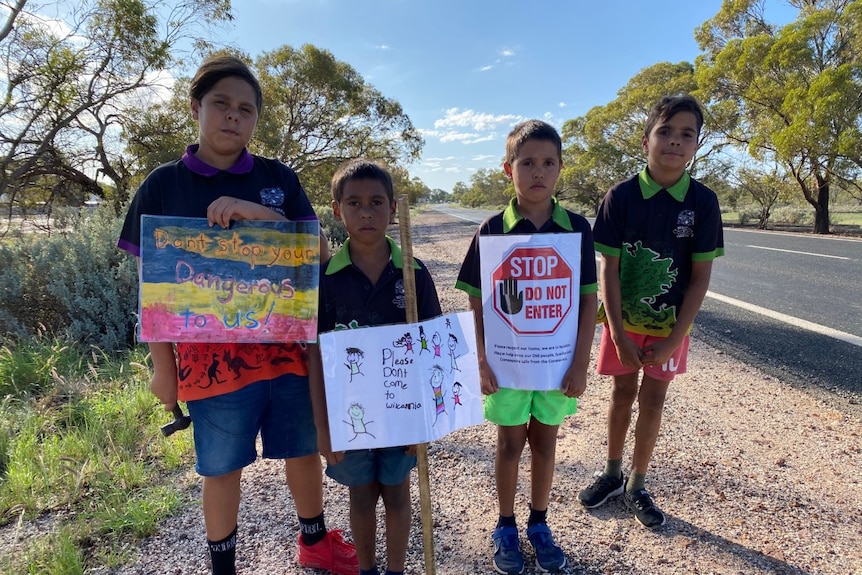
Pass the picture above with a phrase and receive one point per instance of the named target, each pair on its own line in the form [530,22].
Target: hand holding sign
[511,301]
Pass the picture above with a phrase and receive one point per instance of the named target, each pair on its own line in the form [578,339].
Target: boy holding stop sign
[533,163]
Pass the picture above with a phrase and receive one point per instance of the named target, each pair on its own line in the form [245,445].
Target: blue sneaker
[508,558]
[549,556]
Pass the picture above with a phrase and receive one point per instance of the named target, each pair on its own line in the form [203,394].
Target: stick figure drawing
[357,422]
[354,354]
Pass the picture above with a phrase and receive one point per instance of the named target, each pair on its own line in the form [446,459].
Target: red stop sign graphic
[533,290]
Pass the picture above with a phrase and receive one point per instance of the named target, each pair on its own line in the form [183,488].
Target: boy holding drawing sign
[362,285]
[533,290]
[235,391]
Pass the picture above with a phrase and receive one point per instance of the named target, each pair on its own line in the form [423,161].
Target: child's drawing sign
[530,300]
[395,385]
[254,282]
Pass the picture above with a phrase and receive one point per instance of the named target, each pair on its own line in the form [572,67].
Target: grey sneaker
[602,488]
[647,514]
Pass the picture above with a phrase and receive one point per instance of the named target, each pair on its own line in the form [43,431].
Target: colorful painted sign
[254,282]
[404,384]
[530,297]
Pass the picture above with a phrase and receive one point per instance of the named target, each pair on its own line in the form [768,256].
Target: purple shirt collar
[243,165]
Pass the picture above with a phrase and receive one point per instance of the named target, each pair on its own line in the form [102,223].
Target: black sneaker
[647,514]
[602,488]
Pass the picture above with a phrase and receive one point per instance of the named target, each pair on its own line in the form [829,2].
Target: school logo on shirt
[684,224]
[400,300]
[273,198]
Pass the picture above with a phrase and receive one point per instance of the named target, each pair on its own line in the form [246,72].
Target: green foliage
[334,229]
[55,554]
[488,187]
[73,86]
[75,285]
[90,446]
[791,93]
[32,366]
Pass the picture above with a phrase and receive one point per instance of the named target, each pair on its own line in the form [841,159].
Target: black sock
[537,517]
[223,554]
[312,530]
[506,521]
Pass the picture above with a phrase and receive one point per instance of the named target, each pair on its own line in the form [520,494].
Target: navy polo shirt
[187,186]
[349,300]
[657,233]
[509,221]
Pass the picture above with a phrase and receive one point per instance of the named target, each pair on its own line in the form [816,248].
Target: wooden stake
[422,448]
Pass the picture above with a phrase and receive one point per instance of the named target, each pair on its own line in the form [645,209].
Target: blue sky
[467,71]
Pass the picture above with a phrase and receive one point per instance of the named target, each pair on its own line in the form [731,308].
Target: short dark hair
[217,68]
[670,106]
[361,169]
[532,130]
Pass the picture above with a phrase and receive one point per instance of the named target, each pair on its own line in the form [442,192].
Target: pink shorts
[609,361]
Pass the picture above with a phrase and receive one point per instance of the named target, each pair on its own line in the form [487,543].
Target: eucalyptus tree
[795,90]
[606,145]
[319,112]
[71,76]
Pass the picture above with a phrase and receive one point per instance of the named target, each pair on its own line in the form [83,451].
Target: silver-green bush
[73,284]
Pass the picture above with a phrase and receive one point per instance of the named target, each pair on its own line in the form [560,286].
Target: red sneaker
[332,553]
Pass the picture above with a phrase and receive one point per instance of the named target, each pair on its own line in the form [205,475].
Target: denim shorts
[388,466]
[226,426]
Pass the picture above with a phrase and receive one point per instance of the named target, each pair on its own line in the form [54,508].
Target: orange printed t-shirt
[209,369]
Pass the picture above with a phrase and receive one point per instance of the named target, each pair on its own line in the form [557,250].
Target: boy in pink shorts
[658,233]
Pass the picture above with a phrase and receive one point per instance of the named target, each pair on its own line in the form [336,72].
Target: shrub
[334,229]
[75,284]
[793,215]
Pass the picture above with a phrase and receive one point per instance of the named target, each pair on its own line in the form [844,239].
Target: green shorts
[511,407]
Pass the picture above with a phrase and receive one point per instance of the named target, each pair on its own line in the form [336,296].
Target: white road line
[788,319]
[795,252]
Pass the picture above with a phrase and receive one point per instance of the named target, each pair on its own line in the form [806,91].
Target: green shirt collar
[511,217]
[649,188]
[342,258]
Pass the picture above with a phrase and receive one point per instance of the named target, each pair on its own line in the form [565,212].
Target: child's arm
[487,379]
[164,382]
[318,405]
[227,208]
[575,379]
[659,352]
[628,352]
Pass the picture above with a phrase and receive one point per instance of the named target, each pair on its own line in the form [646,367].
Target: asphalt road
[789,304]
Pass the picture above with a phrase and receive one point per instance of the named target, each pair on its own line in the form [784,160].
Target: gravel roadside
[755,476]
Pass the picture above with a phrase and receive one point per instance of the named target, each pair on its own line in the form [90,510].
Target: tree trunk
[821,208]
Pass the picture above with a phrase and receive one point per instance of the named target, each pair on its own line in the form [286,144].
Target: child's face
[534,171]
[365,210]
[226,118]
[671,145]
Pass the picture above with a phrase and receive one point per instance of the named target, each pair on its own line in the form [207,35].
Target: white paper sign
[395,385]
[530,298]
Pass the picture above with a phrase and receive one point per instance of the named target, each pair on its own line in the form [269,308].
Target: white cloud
[507,53]
[469,127]
[561,105]
[457,118]
[383,47]
[485,68]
